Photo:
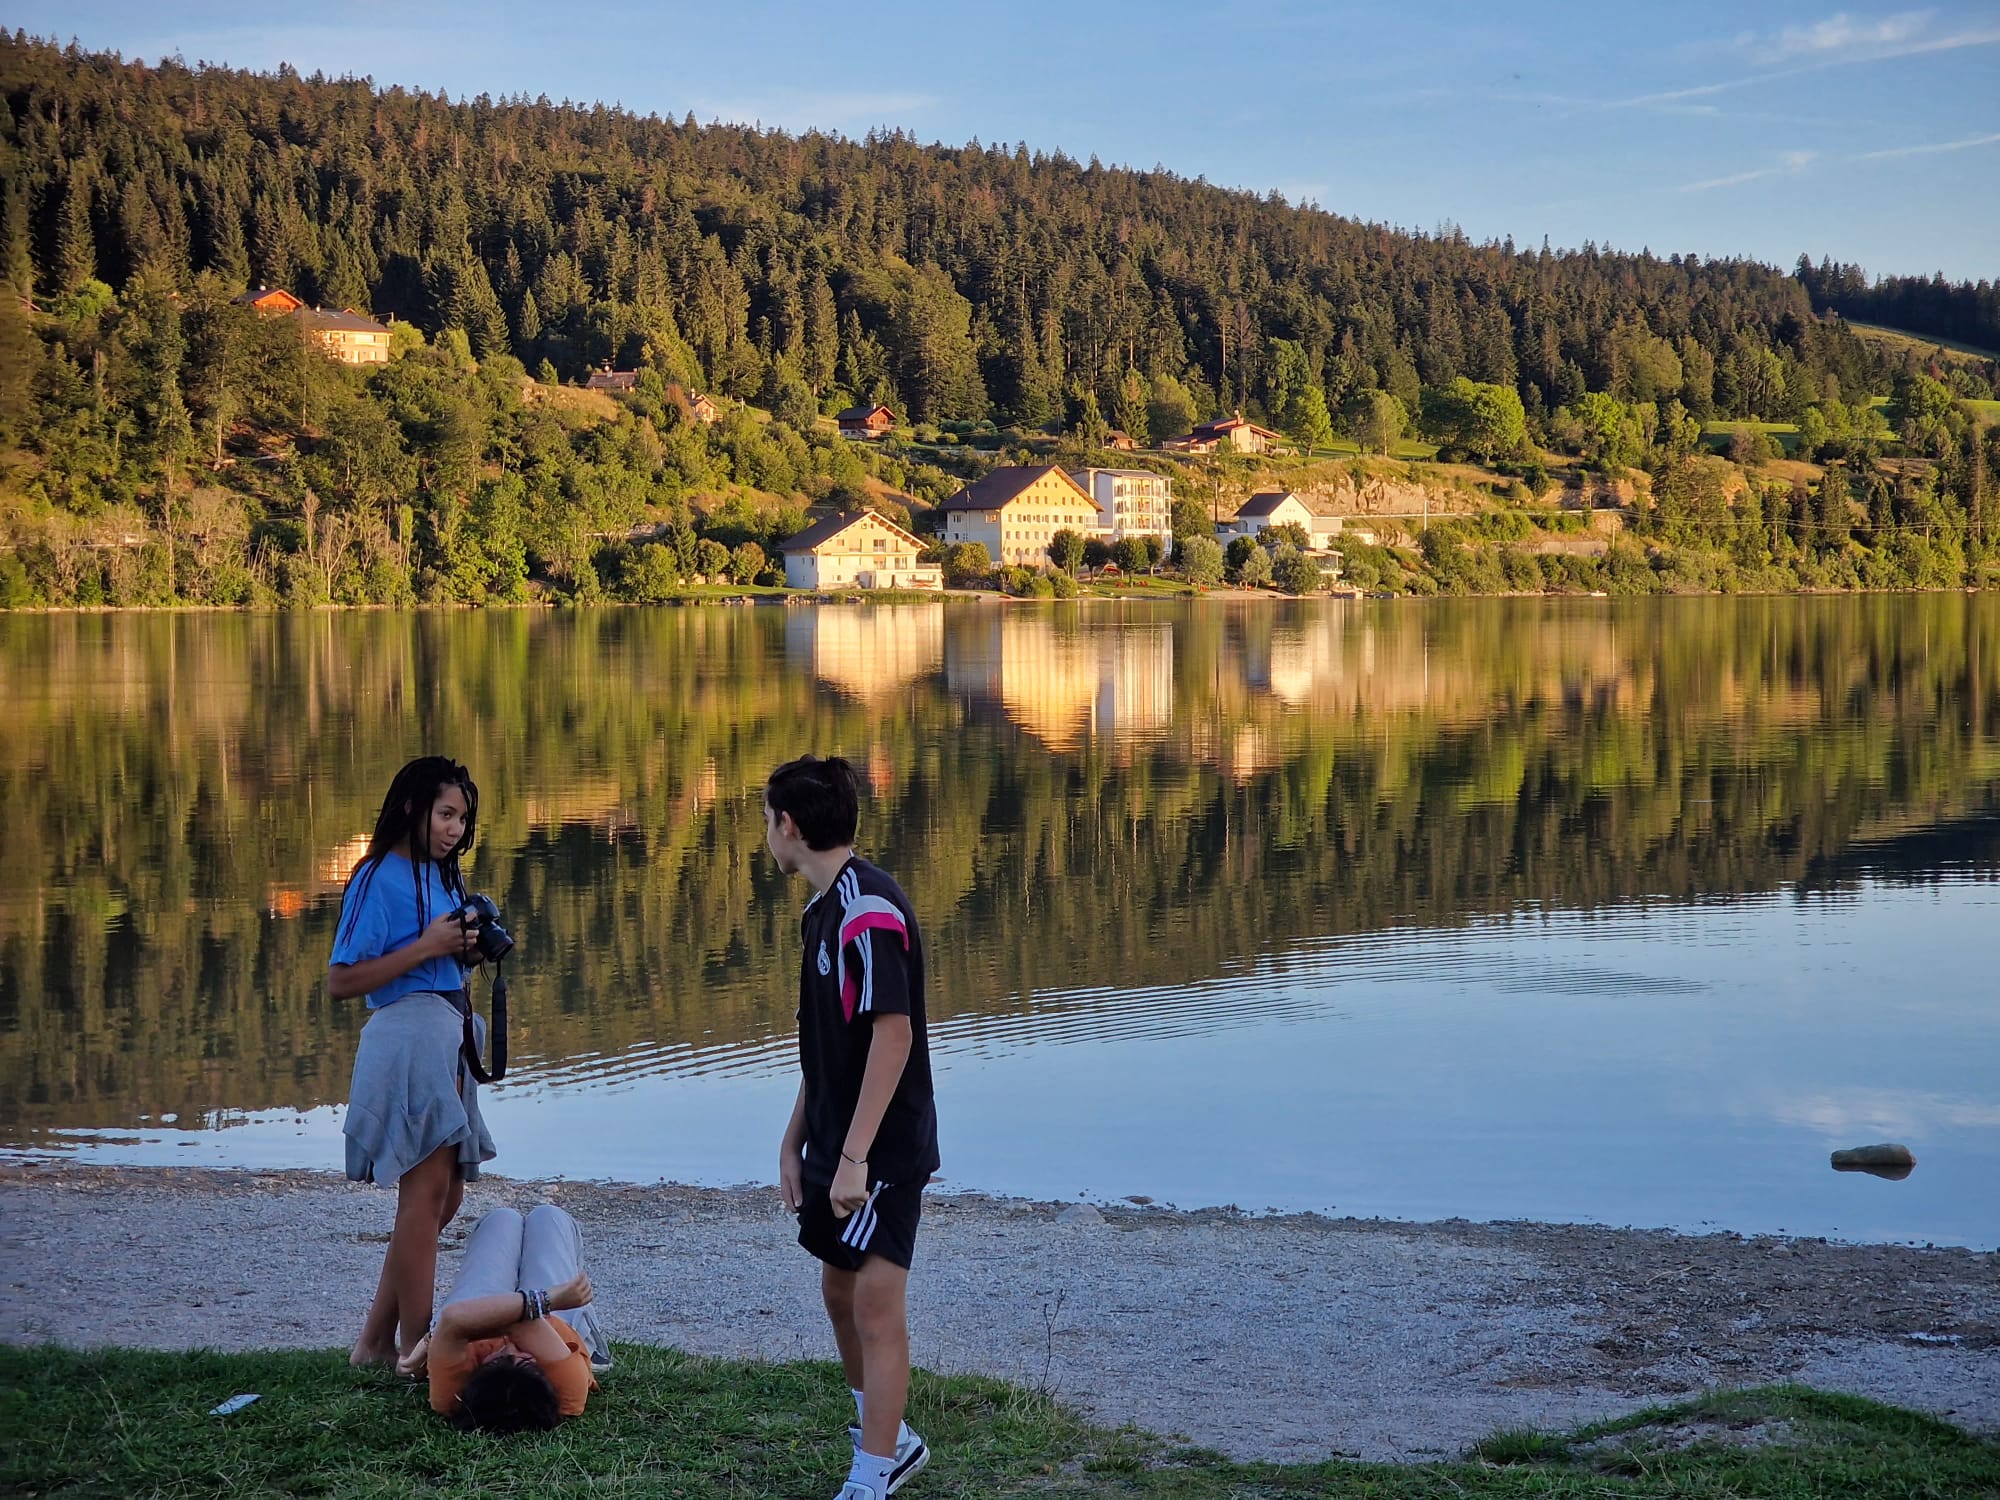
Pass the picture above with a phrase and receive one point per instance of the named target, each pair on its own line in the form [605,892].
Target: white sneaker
[912,1453]
[854,1490]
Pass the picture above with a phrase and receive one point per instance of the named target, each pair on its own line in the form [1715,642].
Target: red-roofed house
[866,421]
[270,299]
[1236,432]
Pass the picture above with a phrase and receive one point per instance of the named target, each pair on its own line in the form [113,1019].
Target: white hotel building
[1130,502]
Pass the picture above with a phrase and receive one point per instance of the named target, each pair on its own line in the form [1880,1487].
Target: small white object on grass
[233,1405]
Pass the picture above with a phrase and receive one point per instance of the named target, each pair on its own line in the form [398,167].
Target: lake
[1606,911]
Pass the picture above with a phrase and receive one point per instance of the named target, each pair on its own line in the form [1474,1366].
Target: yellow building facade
[1015,513]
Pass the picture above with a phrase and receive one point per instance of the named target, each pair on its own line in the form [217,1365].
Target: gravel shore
[1281,1337]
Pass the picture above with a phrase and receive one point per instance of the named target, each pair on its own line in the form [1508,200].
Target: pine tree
[17,265]
[76,246]
[1129,409]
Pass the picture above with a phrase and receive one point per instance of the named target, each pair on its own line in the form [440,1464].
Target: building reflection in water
[867,651]
[1065,680]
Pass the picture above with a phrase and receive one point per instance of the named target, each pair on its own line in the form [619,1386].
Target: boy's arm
[888,1051]
[791,1155]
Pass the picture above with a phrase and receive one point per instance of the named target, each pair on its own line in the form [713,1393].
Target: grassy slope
[1897,341]
[129,1423]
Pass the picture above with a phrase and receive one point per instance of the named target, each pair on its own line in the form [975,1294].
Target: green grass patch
[1897,339]
[134,1423]
[1985,411]
[1716,436]
[1136,584]
[731,591]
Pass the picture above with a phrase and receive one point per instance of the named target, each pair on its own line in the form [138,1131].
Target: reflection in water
[867,651]
[1065,680]
[1891,1174]
[1123,824]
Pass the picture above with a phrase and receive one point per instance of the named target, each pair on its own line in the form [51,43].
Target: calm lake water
[1609,911]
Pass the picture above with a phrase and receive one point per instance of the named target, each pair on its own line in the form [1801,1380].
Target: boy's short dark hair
[822,796]
[508,1395]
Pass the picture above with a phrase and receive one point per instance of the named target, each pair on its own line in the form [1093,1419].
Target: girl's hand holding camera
[451,936]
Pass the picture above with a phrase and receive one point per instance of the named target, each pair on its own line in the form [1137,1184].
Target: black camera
[479,913]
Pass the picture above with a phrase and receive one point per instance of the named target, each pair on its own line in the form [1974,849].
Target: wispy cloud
[1890,1113]
[1839,35]
[1930,150]
[1836,42]
[1789,164]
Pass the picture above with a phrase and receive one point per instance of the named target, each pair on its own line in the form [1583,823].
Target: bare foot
[365,1355]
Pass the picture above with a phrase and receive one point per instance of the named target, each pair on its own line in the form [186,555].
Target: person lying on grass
[498,1359]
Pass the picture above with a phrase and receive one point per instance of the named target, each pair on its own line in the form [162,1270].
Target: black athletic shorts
[886,1225]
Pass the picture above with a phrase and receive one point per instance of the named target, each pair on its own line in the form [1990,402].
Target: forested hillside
[984,292]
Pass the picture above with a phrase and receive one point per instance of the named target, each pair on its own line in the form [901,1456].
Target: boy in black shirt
[862,1140]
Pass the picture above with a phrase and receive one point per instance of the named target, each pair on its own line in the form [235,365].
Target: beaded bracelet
[534,1304]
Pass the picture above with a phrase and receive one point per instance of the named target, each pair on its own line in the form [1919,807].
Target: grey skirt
[412,1092]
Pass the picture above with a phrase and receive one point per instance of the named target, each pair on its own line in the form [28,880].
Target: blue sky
[1871,135]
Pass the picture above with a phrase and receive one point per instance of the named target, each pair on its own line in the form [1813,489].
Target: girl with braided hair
[413,1120]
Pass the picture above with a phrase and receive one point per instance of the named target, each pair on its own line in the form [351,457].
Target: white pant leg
[552,1253]
[492,1259]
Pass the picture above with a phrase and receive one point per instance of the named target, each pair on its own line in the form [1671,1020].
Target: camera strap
[496,1033]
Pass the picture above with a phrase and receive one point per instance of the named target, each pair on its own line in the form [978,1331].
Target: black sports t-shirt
[863,957]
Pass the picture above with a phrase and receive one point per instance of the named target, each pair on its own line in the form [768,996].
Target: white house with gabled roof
[1277,508]
[857,551]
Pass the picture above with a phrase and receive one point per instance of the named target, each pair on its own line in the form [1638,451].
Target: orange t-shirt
[571,1377]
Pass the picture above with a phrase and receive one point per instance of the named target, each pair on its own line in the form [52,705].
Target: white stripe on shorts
[862,1225]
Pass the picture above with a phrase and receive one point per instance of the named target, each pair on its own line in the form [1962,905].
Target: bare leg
[882,1322]
[377,1344]
[413,1244]
[454,1196]
[836,1289]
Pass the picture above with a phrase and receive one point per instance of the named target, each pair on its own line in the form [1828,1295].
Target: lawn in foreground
[135,1423]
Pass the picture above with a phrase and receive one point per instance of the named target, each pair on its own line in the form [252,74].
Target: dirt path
[1284,1338]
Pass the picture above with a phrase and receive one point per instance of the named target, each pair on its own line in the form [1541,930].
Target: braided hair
[404,825]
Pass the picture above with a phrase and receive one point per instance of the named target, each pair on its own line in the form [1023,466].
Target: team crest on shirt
[825,963]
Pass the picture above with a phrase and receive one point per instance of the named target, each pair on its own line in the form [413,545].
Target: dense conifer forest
[161,443]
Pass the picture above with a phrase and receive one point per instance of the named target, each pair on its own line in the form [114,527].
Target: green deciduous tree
[1294,572]
[1483,420]
[1310,423]
[1170,409]
[1066,549]
[967,564]
[1131,554]
[1190,518]
[1202,560]
[1376,420]
[1255,567]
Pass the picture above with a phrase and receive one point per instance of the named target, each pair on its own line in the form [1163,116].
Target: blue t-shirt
[380,914]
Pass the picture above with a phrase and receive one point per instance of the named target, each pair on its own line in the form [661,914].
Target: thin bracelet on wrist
[859,1162]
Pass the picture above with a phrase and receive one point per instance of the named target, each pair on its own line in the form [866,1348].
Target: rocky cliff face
[1413,492]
